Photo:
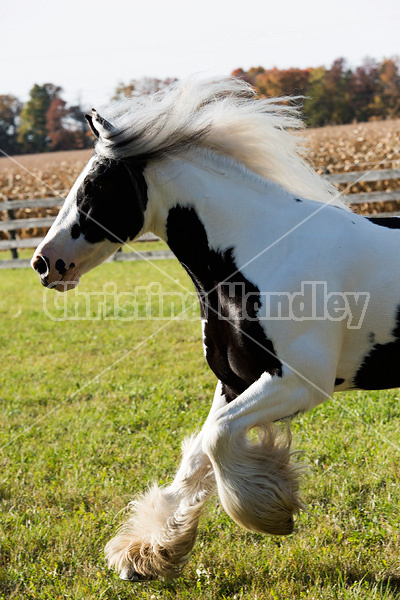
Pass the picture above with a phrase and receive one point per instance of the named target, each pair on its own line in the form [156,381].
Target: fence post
[12,234]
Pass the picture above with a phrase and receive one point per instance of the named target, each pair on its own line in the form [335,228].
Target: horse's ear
[103,126]
[98,125]
[89,120]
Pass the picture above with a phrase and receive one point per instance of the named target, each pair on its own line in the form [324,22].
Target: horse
[299,296]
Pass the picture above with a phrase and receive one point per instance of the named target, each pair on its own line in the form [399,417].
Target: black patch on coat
[298,200]
[390,222]
[111,201]
[75,231]
[380,369]
[60,266]
[237,349]
[339,381]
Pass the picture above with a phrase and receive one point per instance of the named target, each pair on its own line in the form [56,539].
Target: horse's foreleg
[161,531]
[257,483]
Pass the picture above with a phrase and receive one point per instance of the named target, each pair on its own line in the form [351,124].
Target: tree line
[331,96]
[44,123]
[335,95]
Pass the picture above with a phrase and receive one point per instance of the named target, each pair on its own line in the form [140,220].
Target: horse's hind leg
[160,533]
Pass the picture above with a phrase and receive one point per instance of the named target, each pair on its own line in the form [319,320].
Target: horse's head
[104,209]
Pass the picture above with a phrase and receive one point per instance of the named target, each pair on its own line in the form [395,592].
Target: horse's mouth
[67,282]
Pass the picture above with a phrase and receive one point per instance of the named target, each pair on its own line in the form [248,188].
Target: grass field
[94,410]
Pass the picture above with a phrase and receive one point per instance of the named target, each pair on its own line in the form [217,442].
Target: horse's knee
[257,483]
[219,437]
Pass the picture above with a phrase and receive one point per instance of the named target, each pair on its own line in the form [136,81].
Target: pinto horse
[219,175]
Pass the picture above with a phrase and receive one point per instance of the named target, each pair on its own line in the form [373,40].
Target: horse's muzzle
[41,265]
[53,280]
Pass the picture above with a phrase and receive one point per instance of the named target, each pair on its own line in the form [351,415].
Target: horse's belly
[380,369]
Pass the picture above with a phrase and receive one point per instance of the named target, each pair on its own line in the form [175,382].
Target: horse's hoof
[287,527]
[129,574]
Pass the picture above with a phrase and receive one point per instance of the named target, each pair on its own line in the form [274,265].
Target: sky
[88,48]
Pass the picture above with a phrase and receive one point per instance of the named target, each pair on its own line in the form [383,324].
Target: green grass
[78,439]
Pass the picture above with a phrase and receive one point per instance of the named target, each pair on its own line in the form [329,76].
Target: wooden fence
[12,224]
[368,197]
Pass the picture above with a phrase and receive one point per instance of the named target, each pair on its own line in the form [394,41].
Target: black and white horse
[218,175]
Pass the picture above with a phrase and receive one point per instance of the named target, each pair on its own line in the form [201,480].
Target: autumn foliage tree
[66,127]
[47,123]
[331,95]
[10,109]
[336,94]
[389,85]
[147,85]
[54,124]
[76,122]
[32,131]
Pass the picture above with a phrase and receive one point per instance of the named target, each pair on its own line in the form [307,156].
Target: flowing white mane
[224,116]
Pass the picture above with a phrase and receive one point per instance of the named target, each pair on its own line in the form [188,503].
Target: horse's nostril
[41,265]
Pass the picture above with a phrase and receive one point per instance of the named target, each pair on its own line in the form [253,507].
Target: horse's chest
[237,347]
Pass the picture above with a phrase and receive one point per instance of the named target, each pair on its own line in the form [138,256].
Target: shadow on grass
[244,581]
[386,583]
[329,576]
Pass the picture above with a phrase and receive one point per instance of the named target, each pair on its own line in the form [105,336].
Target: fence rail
[354,177]
[13,224]
[24,263]
[367,176]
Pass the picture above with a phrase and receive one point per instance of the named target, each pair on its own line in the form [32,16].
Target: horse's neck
[224,197]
